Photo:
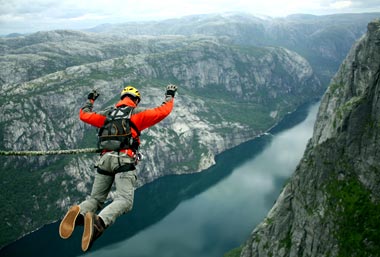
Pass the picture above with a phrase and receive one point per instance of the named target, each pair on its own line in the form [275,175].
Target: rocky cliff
[331,205]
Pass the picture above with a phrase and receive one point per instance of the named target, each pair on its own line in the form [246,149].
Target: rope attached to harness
[53,152]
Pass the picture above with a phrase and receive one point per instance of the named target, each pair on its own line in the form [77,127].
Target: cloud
[341,4]
[360,4]
[31,15]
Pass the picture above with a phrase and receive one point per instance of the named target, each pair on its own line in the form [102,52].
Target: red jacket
[142,118]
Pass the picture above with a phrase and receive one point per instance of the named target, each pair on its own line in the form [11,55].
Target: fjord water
[204,214]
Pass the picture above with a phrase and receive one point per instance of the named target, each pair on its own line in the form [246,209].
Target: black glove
[93,95]
[171,89]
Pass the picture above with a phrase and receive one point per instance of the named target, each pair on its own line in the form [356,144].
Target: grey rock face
[329,205]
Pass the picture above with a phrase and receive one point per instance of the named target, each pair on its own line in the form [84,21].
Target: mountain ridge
[323,40]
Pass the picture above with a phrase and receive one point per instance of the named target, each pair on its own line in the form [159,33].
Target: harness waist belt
[128,152]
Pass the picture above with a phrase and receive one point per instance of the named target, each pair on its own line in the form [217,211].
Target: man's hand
[93,95]
[171,89]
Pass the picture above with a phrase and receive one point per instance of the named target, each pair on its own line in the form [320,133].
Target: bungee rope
[53,152]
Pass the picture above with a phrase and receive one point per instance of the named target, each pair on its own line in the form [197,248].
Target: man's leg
[100,189]
[123,201]
[95,225]
[75,215]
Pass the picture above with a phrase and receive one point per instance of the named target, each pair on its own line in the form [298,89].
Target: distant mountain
[28,57]
[13,35]
[323,40]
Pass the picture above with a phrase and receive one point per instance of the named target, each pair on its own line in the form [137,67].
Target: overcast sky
[25,16]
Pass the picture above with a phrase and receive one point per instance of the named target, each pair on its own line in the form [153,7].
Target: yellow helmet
[129,90]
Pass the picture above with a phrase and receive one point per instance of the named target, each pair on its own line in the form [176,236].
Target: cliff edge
[331,205]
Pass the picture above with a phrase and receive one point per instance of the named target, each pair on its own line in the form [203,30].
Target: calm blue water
[197,215]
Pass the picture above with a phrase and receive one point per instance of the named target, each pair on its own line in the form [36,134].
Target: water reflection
[203,214]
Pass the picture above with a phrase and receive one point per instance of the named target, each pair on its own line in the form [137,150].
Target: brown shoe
[93,229]
[72,218]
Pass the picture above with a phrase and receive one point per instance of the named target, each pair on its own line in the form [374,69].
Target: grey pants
[125,185]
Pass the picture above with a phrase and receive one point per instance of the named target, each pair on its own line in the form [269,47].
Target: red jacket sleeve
[88,116]
[150,117]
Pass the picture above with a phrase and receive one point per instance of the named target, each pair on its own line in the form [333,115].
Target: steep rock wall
[331,205]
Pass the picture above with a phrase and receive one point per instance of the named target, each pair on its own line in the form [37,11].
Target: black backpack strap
[109,117]
[133,125]
[118,119]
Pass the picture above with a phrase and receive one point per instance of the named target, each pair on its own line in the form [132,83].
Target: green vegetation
[194,155]
[287,241]
[28,198]
[345,109]
[234,252]
[370,127]
[357,217]
[256,52]
[334,87]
